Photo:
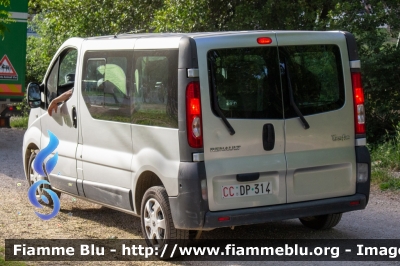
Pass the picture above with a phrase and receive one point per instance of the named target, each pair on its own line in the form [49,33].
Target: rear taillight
[193,115]
[359,111]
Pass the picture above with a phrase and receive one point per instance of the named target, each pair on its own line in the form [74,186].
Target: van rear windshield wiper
[292,103]
[215,103]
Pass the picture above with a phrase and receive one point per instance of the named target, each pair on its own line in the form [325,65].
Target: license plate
[239,190]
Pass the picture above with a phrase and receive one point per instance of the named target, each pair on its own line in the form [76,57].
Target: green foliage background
[4,17]
[376,31]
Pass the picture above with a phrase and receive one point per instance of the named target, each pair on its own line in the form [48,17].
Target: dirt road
[79,219]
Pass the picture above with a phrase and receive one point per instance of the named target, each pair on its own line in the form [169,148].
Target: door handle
[74,119]
[247,177]
[268,137]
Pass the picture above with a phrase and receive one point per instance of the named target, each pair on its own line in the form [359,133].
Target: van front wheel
[32,177]
[322,221]
[157,225]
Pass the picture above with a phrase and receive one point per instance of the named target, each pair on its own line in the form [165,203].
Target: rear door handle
[247,177]
[74,119]
[268,137]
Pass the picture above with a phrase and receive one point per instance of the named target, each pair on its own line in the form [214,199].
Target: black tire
[321,222]
[33,176]
[157,225]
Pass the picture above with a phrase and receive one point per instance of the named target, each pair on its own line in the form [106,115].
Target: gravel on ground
[79,219]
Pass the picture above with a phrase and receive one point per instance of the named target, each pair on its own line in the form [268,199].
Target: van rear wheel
[322,221]
[157,225]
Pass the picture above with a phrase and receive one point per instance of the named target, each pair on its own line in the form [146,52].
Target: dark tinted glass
[105,84]
[316,77]
[62,75]
[51,84]
[67,70]
[156,88]
[246,82]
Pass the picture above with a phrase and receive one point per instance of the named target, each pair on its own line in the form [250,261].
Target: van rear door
[316,72]
[247,168]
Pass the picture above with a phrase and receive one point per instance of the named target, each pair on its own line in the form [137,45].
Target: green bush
[387,154]
[386,162]
[8,263]
[381,76]
[19,122]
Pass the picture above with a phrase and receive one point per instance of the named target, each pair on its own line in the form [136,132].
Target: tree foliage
[59,20]
[4,17]
[375,24]
[380,59]
[183,16]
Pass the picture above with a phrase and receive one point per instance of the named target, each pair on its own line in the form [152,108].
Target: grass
[8,263]
[385,180]
[386,163]
[19,122]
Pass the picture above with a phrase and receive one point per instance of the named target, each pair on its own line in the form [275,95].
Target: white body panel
[222,167]
[157,43]
[319,167]
[106,151]
[156,149]
[32,135]
[61,123]
[116,153]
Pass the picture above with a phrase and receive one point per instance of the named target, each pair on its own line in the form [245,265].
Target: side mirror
[33,96]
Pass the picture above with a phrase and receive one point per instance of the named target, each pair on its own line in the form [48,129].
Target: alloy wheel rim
[34,177]
[154,222]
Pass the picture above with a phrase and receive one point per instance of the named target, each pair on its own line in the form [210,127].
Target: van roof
[193,34]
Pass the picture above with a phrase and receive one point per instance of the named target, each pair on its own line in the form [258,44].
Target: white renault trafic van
[204,130]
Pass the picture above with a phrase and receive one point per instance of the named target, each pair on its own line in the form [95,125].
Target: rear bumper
[190,211]
[284,211]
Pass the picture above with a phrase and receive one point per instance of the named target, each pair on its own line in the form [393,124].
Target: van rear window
[316,78]
[246,82]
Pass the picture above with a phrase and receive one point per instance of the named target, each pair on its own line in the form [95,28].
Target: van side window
[316,78]
[51,83]
[66,74]
[62,75]
[105,86]
[246,82]
[155,88]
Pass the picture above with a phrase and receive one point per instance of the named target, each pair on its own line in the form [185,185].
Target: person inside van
[60,99]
